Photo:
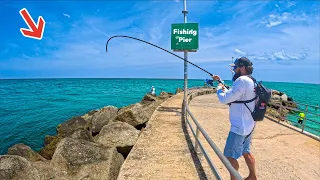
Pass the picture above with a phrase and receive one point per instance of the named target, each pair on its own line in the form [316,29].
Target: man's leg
[248,156]
[251,165]
[233,150]
[235,165]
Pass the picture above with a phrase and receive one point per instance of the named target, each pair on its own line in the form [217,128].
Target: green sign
[184,36]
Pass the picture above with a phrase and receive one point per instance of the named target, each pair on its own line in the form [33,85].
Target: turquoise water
[32,108]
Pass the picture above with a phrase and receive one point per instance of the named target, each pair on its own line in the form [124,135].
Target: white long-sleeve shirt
[240,117]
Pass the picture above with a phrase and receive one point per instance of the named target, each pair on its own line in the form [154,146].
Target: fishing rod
[163,50]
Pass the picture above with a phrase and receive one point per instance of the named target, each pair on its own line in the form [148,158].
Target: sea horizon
[37,78]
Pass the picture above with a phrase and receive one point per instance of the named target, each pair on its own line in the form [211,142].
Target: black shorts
[300,121]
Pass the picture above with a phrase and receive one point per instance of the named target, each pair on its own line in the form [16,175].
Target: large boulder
[69,127]
[45,170]
[48,151]
[82,134]
[280,99]
[17,168]
[24,151]
[148,98]
[89,115]
[179,90]
[284,97]
[77,128]
[119,134]
[164,95]
[103,117]
[48,139]
[133,115]
[80,159]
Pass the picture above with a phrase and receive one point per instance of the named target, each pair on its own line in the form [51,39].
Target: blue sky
[280,37]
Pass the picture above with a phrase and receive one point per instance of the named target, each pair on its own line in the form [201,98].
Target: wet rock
[48,139]
[48,151]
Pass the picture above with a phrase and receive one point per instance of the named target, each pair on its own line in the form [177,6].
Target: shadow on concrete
[197,162]
[169,109]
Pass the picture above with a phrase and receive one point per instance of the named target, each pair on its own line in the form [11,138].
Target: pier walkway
[164,149]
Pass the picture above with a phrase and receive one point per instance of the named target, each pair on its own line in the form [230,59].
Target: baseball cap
[243,61]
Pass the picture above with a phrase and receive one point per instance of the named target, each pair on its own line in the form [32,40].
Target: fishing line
[161,49]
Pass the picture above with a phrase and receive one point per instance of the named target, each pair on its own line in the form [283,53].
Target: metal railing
[198,144]
[306,111]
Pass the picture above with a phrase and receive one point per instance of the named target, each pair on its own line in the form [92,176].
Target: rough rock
[148,98]
[82,134]
[164,95]
[284,97]
[275,97]
[48,139]
[119,134]
[24,151]
[80,159]
[76,127]
[275,92]
[89,115]
[133,115]
[68,127]
[280,99]
[46,171]
[17,168]
[103,117]
[179,90]
[48,151]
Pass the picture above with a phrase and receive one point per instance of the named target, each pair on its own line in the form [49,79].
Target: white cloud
[66,15]
[276,19]
[281,55]
[239,52]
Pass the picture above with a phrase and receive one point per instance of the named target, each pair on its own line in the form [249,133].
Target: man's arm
[233,94]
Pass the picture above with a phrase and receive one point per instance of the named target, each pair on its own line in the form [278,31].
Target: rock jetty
[278,100]
[92,146]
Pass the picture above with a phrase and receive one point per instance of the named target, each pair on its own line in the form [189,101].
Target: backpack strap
[247,101]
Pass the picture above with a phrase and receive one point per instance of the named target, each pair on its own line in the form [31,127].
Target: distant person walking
[153,91]
[242,124]
[301,117]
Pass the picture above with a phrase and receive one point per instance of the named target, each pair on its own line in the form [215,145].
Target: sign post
[185,38]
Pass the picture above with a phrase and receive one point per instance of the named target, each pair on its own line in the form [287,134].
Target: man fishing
[242,123]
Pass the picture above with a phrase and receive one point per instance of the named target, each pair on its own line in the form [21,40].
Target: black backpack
[263,96]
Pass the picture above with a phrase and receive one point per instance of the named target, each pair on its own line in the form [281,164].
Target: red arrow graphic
[35,30]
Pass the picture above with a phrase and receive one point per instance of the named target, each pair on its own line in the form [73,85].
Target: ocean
[30,109]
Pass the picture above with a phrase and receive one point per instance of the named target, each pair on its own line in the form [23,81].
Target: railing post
[305,119]
[196,145]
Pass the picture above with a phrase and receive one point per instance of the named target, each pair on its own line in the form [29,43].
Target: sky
[281,38]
